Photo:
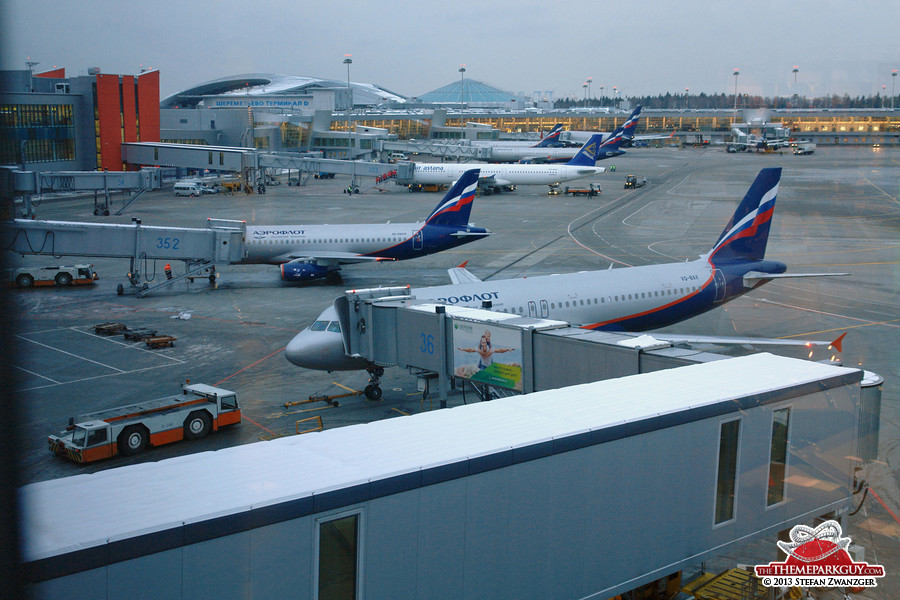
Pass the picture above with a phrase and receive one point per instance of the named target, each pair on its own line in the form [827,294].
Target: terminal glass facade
[47,130]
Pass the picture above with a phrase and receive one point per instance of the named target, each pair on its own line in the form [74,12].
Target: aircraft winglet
[836,344]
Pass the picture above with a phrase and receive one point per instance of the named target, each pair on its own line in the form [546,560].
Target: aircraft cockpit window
[334,327]
[319,326]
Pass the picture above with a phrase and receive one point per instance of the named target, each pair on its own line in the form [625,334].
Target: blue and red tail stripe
[456,206]
[747,233]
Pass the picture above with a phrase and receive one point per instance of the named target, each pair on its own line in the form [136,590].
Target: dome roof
[266,84]
[467,91]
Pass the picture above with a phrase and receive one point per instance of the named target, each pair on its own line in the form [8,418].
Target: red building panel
[53,74]
[109,122]
[148,106]
[129,109]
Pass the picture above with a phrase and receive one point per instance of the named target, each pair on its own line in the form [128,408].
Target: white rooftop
[121,502]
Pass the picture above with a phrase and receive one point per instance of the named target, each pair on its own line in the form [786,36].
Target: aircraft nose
[302,348]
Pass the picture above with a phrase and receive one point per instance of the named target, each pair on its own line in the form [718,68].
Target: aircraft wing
[648,136]
[343,258]
[461,274]
[751,278]
[493,180]
[745,341]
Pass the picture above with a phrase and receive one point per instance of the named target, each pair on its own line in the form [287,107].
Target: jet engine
[302,271]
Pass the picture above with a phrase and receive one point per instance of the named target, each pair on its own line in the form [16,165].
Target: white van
[188,188]
[397,156]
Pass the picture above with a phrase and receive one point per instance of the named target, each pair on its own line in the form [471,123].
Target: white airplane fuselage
[626,299]
[446,173]
[276,244]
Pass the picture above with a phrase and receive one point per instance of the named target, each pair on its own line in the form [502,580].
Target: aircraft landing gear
[373,389]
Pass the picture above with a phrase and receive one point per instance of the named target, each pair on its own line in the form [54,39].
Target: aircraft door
[545,309]
[532,309]
[719,278]
[418,240]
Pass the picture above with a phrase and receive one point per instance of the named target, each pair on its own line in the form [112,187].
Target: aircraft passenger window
[334,327]
[589,301]
[602,300]
[318,326]
[567,304]
[582,302]
[553,305]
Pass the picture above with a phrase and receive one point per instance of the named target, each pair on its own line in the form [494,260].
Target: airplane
[548,141]
[627,299]
[497,177]
[307,252]
[575,138]
[621,137]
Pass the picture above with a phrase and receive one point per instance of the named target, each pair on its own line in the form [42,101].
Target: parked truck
[590,191]
[27,277]
[129,430]
[804,148]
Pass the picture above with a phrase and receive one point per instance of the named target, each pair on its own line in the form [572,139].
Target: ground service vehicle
[589,191]
[129,430]
[805,148]
[633,182]
[27,277]
[188,189]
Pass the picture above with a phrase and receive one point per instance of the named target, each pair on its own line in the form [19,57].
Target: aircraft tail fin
[588,154]
[746,234]
[551,138]
[630,125]
[456,206]
[622,136]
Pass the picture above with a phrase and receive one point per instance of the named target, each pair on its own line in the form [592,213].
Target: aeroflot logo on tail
[261,233]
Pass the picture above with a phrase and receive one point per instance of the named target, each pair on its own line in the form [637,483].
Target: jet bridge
[250,162]
[200,249]
[388,327]
[436,341]
[15,183]
[440,148]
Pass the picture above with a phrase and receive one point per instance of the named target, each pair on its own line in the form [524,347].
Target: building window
[339,558]
[778,455]
[726,481]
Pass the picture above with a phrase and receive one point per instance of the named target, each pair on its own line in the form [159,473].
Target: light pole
[616,100]
[601,95]
[349,61]
[590,79]
[462,81]
[31,64]
[736,73]
[584,87]
[796,69]
[893,80]
[686,90]
[883,91]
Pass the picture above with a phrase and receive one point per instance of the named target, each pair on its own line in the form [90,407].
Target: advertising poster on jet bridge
[486,354]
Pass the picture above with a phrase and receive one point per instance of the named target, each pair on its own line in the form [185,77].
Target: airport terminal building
[50,122]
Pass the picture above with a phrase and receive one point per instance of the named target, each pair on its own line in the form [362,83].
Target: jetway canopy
[222,244]
[14,182]
[226,158]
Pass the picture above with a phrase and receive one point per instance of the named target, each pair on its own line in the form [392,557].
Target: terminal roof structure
[268,84]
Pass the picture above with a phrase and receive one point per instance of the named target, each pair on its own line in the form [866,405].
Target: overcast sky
[412,47]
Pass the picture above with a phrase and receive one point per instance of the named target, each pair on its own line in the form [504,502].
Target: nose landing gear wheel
[373,390]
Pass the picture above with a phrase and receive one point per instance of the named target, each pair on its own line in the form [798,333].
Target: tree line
[672,101]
